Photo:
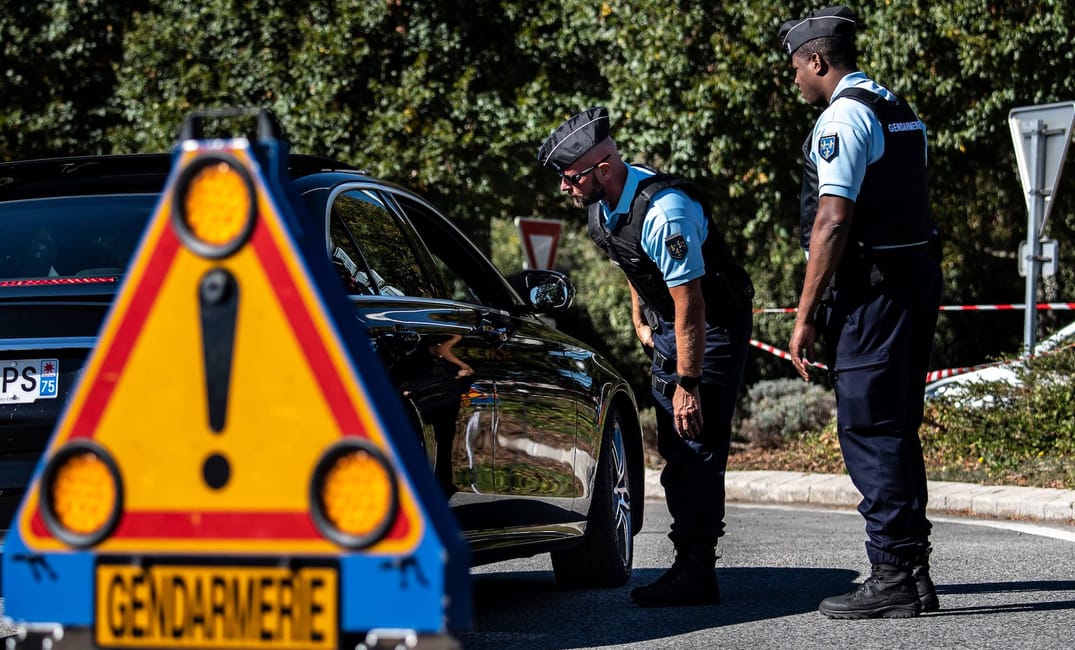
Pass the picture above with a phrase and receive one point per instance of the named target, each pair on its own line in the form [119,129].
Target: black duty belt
[667,364]
[664,386]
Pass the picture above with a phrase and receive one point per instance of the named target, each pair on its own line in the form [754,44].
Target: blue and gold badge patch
[828,147]
[677,246]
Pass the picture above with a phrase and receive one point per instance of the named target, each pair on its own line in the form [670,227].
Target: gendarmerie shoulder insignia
[828,147]
[677,246]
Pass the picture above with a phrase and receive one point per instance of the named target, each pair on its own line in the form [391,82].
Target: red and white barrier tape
[933,375]
[781,353]
[1041,306]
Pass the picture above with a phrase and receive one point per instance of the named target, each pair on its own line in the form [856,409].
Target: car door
[534,437]
[433,353]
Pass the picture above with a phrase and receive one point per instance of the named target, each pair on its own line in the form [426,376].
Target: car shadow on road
[528,610]
[994,591]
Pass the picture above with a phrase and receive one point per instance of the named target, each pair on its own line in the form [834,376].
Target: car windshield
[71,237]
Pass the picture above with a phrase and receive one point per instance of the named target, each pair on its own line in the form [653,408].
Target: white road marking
[1015,526]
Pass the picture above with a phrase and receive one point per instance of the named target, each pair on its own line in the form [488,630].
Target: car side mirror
[546,292]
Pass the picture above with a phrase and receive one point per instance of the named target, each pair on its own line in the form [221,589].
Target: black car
[533,437]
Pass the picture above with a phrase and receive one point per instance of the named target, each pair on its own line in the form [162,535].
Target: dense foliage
[453,99]
[1022,433]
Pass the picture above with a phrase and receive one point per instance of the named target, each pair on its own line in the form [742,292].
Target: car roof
[119,173]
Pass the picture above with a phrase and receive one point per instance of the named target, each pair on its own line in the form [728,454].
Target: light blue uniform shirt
[854,136]
[671,213]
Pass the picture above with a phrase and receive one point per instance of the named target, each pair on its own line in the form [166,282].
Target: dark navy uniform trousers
[879,336]
[693,475]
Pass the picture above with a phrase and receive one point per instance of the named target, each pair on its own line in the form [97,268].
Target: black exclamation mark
[218,296]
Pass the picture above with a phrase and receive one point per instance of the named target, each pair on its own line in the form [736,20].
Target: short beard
[586,200]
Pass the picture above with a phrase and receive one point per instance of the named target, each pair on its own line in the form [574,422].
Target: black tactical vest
[892,208]
[724,285]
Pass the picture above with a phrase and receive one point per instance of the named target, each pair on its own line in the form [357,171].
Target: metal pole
[1033,240]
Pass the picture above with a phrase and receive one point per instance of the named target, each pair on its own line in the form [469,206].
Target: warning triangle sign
[1041,135]
[540,238]
[216,459]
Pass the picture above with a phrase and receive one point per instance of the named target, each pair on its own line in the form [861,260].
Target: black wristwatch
[688,383]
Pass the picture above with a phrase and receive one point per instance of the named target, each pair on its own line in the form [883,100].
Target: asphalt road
[1001,585]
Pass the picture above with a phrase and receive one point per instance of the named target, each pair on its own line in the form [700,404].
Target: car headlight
[354,494]
[81,494]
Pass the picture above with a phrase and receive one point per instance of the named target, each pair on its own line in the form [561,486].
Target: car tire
[604,557]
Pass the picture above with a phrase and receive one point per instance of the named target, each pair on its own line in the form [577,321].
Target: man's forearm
[827,243]
[690,328]
[642,328]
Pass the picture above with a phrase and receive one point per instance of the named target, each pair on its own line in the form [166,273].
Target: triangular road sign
[237,479]
[1041,135]
[540,238]
[235,467]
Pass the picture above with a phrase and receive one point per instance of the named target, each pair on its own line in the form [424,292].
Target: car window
[369,246]
[469,275]
[66,237]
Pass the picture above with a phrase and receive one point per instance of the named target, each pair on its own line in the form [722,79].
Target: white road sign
[1041,135]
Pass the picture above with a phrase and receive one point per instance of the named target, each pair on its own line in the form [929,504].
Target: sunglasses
[576,177]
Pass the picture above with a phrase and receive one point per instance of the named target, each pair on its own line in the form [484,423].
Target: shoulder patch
[677,246]
[828,147]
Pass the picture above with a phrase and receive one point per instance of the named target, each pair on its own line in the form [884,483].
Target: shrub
[1007,430]
[775,410]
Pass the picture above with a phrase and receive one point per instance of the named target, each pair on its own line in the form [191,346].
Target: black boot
[692,580]
[927,592]
[889,592]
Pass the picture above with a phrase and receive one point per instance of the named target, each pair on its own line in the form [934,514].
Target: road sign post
[1041,135]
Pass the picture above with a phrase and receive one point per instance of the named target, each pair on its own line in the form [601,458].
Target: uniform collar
[627,197]
[850,80]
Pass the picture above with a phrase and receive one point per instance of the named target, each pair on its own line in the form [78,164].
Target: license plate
[178,606]
[28,380]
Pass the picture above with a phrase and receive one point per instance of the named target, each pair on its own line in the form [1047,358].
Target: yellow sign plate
[292,393]
[176,606]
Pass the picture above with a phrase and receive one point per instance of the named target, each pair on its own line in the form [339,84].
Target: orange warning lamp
[214,206]
[83,494]
[354,494]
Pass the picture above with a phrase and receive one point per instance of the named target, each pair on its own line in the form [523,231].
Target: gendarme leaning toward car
[691,307]
[871,291]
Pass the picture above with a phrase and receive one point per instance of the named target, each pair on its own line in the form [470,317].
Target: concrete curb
[945,497]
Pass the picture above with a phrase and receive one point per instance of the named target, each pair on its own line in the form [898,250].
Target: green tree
[453,99]
[964,65]
[429,94]
[57,60]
